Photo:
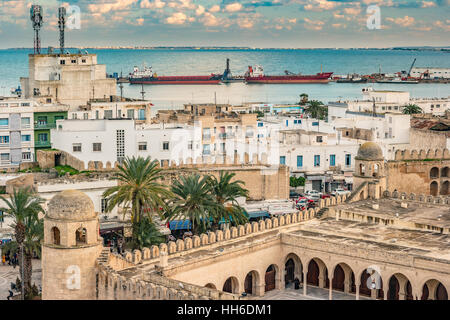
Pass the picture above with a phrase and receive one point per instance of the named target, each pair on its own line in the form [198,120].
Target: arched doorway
[231,285]
[80,236]
[436,287]
[313,273]
[364,290]
[434,188]
[445,188]
[371,280]
[339,278]
[394,288]
[210,286]
[251,282]
[434,173]
[409,294]
[270,278]
[56,236]
[293,269]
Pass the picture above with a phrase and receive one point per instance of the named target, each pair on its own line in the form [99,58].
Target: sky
[249,23]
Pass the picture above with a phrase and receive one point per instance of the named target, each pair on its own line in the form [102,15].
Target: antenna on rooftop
[61,25]
[36,16]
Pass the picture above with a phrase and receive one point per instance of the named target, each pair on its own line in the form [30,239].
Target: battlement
[113,285]
[440,200]
[435,154]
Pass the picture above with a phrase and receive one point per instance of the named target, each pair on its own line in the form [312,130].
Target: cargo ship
[256,75]
[147,76]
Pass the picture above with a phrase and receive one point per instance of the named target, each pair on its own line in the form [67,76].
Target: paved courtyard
[314,293]
[9,274]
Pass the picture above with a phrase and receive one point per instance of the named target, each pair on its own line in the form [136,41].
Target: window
[42,120]
[4,157]
[25,122]
[56,237]
[283,160]
[166,145]
[317,161]
[190,145]
[104,203]
[26,138]
[83,61]
[130,113]
[4,139]
[348,160]
[142,146]
[299,161]
[332,160]
[85,116]
[96,114]
[206,133]
[319,139]
[108,114]
[260,124]
[74,61]
[287,123]
[141,114]
[25,104]
[206,149]
[62,61]
[80,236]
[96,146]
[222,147]
[120,145]
[26,156]
[76,147]
[43,137]
[4,122]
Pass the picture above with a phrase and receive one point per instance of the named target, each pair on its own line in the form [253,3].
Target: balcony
[42,144]
[45,126]
[222,135]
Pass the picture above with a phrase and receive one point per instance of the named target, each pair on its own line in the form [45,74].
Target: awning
[258,214]
[180,225]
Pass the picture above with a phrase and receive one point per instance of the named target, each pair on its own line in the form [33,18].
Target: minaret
[71,247]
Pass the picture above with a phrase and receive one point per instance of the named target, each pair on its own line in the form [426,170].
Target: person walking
[3,259]
[10,295]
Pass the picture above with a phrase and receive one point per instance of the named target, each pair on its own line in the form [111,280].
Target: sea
[183,61]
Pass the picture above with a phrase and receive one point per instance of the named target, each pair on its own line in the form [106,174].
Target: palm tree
[316,109]
[303,99]
[412,109]
[147,234]
[194,201]
[226,194]
[24,207]
[139,189]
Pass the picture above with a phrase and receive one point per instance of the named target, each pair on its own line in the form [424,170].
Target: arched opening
[210,286]
[376,170]
[56,236]
[394,289]
[338,278]
[445,172]
[445,188]
[293,271]
[270,278]
[434,290]
[313,273]
[434,172]
[371,280]
[362,169]
[251,282]
[231,285]
[409,294]
[80,236]
[434,188]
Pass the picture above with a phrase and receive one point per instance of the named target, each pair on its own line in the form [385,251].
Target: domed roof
[71,205]
[370,151]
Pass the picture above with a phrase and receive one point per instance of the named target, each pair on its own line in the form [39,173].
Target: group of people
[11,260]
[115,245]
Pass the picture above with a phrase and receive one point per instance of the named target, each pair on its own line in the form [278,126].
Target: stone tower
[370,167]
[70,249]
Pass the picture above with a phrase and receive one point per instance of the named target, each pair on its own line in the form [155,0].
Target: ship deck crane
[412,65]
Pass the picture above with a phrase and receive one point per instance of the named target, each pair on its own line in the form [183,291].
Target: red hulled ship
[256,75]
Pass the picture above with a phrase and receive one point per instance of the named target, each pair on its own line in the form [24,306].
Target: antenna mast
[61,25]
[36,16]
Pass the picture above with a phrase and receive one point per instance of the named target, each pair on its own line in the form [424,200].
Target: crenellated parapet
[435,154]
[443,200]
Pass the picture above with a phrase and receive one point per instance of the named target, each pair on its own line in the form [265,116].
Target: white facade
[16,131]
[432,73]
[387,102]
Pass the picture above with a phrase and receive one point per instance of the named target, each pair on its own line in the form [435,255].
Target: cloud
[313,24]
[443,25]
[352,11]
[209,20]
[177,18]
[200,10]
[233,7]
[156,4]
[321,5]
[214,9]
[116,5]
[428,4]
[406,21]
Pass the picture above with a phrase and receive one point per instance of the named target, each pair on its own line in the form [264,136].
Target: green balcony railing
[42,144]
[45,126]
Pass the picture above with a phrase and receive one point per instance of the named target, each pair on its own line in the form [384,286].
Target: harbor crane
[412,65]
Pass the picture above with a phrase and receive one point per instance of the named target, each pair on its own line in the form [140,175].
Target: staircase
[356,192]
[321,212]
[104,256]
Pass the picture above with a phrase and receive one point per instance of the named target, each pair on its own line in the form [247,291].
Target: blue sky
[252,23]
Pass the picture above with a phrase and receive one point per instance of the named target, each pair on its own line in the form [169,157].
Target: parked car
[313,195]
[324,196]
[293,194]
[340,191]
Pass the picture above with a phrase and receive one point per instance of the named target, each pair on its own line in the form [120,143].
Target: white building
[16,132]
[386,101]
[430,73]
